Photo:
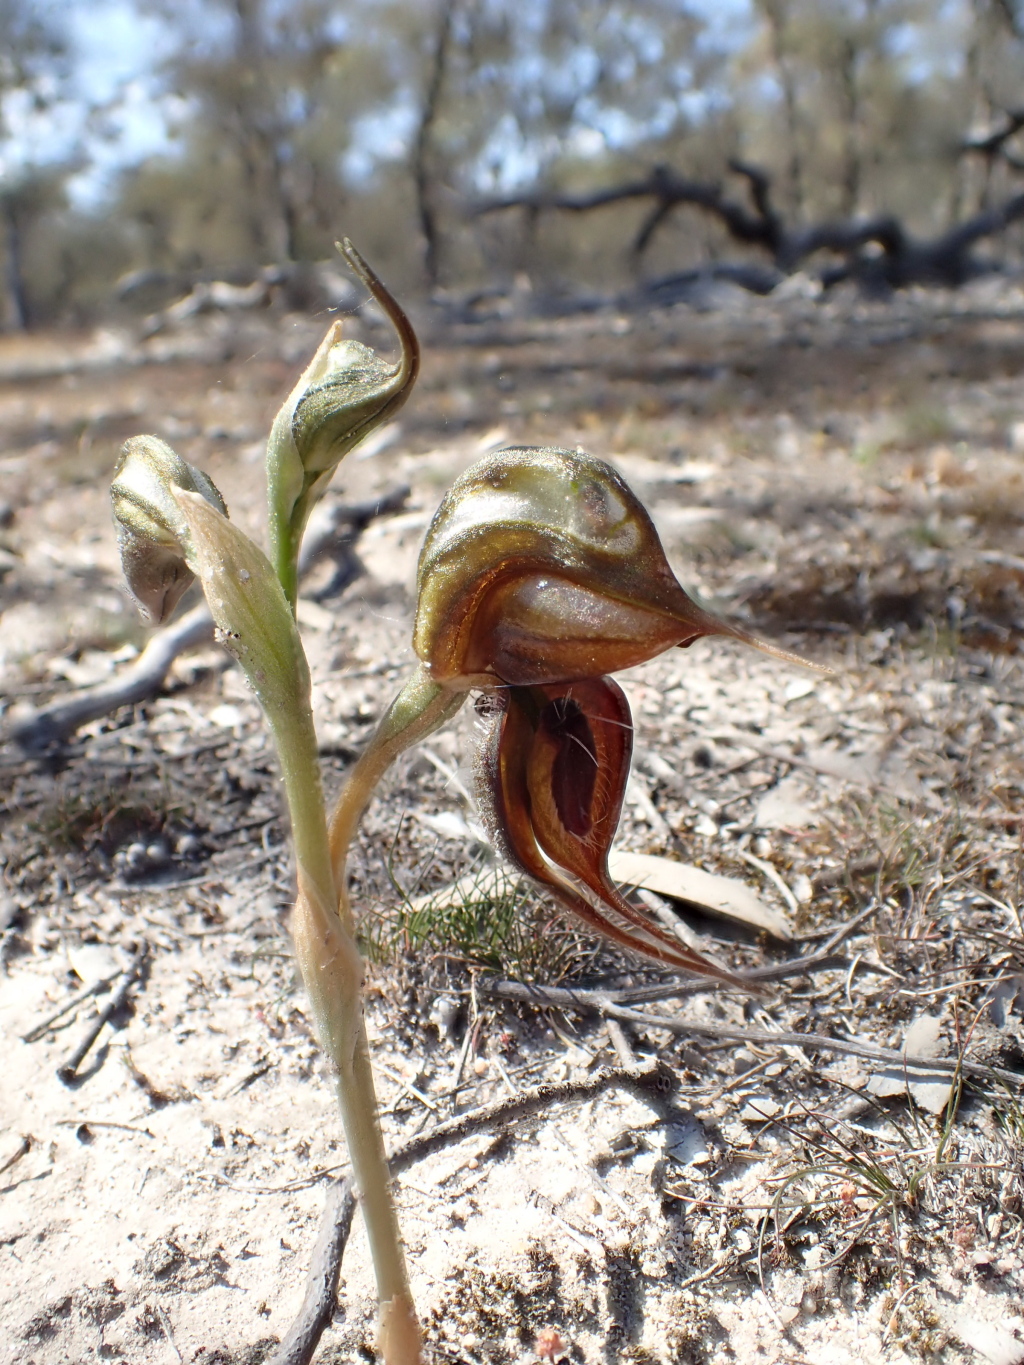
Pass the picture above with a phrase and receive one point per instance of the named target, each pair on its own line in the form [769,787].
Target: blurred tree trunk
[423,162]
[265,138]
[18,311]
[272,216]
[776,18]
[852,167]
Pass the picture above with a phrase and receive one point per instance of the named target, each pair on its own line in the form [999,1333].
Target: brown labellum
[553,777]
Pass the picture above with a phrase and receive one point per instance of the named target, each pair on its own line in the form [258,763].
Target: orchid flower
[551,775]
[540,574]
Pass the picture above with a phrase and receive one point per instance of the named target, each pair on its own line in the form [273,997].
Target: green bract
[253,618]
[344,393]
[173,525]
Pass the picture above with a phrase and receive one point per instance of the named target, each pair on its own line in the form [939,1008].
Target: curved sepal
[157,553]
[345,392]
[542,565]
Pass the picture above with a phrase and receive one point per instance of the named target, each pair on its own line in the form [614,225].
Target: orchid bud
[157,552]
[551,779]
[542,565]
[344,393]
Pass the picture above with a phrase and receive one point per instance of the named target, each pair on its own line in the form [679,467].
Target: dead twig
[157,1097]
[79,998]
[55,723]
[165,1327]
[821,960]
[653,1083]
[69,1070]
[620,1042]
[23,1150]
[597,1002]
[88,1124]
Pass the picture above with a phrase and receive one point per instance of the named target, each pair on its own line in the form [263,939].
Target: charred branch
[668,191]
[991,142]
[879,252]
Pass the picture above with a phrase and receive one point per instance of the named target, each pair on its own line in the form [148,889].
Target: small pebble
[135,855]
[550,1344]
[444,1015]
[758,1108]
[803,889]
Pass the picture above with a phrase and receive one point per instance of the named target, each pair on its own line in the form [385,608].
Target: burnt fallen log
[878,252]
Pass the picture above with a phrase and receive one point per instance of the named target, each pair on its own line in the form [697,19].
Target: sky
[114,115]
[118,52]
[109,115]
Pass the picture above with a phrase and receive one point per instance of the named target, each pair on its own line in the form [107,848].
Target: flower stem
[332,971]
[420,708]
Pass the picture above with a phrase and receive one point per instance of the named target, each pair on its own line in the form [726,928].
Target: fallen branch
[991,140]
[207,295]
[69,1006]
[334,531]
[653,1084]
[297,286]
[878,250]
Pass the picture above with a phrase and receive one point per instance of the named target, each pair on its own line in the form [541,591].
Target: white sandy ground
[176,1230]
[154,1234]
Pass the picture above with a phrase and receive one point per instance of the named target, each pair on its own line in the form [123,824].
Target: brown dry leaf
[680,881]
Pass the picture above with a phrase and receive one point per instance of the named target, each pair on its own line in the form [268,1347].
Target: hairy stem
[420,708]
